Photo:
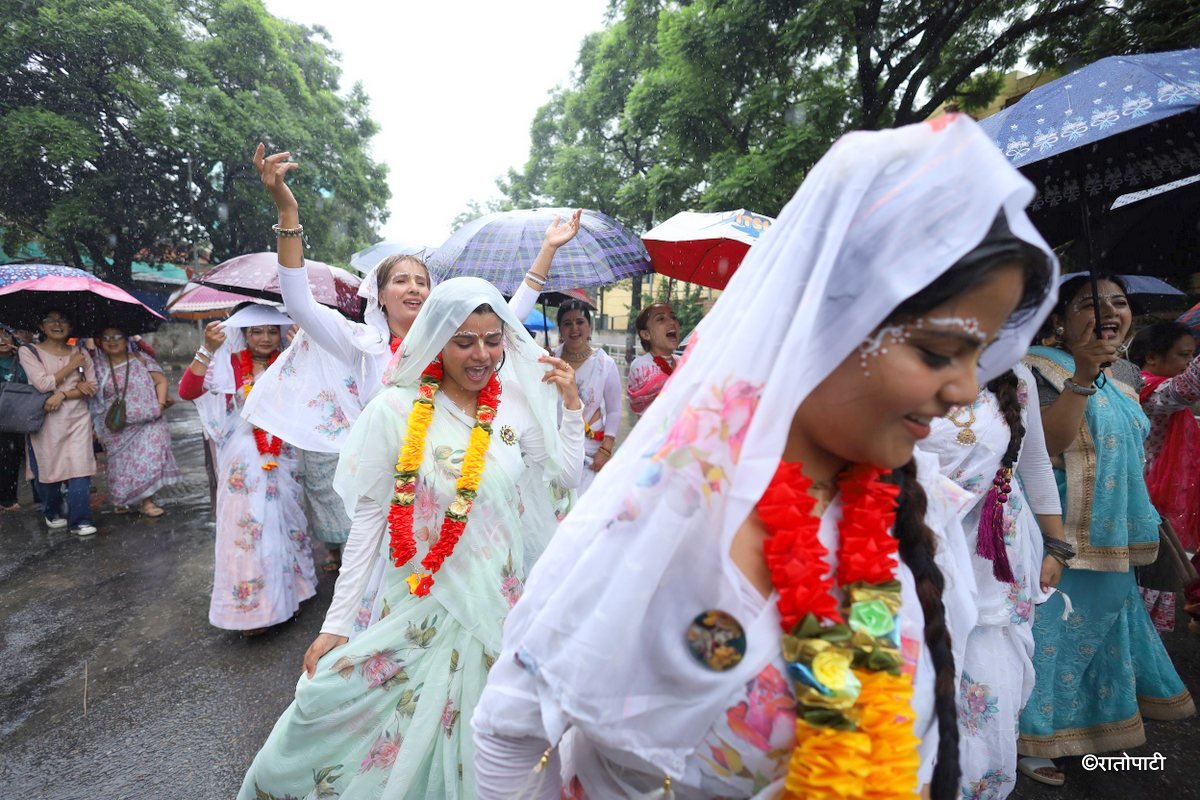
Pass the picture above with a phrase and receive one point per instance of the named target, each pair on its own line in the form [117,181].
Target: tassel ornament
[990,542]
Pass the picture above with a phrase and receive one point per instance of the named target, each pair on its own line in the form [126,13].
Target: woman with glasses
[61,452]
[127,414]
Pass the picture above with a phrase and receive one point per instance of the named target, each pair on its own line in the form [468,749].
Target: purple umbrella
[501,247]
[11,273]
[256,275]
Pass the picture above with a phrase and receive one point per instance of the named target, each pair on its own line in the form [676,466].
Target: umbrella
[90,303]
[1191,318]
[256,275]
[538,321]
[501,247]
[704,248]
[11,273]
[366,259]
[1146,293]
[1119,125]
[195,301]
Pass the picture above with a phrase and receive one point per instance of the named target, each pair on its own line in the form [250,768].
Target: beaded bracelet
[288,233]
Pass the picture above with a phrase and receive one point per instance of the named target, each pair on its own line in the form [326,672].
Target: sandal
[13,507]
[120,509]
[1029,767]
[331,564]
[148,509]
[251,633]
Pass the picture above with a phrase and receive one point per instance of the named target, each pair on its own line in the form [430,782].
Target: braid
[1005,389]
[917,545]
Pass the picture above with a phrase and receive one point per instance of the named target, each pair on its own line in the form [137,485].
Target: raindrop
[112,240]
[796,116]
[223,212]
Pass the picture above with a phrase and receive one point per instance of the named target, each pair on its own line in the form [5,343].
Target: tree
[126,128]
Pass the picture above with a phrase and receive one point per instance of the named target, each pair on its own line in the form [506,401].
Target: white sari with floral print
[264,566]
[383,715]
[997,674]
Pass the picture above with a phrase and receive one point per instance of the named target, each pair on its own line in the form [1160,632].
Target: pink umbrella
[90,304]
[256,275]
[205,302]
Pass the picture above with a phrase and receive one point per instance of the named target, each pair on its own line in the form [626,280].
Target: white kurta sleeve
[509,738]
[523,301]
[330,330]
[612,398]
[358,557]
[1033,465]
[570,436]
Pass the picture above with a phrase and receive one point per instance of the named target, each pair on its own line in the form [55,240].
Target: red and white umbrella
[704,248]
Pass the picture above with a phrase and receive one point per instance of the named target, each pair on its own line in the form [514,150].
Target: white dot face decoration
[878,342]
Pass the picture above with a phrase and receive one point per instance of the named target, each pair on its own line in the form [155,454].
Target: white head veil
[877,220]
[362,473]
[219,379]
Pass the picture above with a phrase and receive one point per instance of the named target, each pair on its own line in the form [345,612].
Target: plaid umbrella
[11,273]
[501,247]
[256,275]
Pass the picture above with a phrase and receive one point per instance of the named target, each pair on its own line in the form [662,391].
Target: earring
[1059,330]
[503,358]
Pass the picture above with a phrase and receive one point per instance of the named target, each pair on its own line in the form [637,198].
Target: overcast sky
[453,86]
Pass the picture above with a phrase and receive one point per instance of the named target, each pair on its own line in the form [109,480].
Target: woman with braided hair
[766,592]
[994,448]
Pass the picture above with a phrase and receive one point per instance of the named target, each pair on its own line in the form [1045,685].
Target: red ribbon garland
[666,366]
[266,446]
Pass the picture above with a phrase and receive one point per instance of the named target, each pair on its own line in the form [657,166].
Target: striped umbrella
[501,247]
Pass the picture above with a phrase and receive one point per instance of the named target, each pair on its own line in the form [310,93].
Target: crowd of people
[864,539]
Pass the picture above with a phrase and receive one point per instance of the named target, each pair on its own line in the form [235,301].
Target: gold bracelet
[288,233]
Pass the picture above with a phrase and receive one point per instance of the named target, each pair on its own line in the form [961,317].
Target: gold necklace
[576,360]
[966,436]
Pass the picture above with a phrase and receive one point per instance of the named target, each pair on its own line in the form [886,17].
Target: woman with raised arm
[445,471]
[335,366]
[749,600]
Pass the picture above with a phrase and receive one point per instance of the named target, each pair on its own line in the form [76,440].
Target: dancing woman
[747,602]
[994,448]
[263,565]
[445,470]
[335,366]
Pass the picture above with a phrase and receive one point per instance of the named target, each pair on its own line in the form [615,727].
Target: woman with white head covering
[694,622]
[264,567]
[445,473]
[335,366]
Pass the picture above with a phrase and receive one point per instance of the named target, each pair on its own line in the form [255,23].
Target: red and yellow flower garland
[854,719]
[269,446]
[408,463]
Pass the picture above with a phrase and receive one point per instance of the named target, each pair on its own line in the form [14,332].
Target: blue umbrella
[11,273]
[1119,125]
[537,321]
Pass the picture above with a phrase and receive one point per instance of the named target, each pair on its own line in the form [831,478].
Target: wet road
[116,686]
[171,707]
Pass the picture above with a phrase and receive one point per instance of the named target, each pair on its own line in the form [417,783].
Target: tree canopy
[126,128]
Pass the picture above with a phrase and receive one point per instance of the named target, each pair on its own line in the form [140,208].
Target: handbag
[1171,570]
[115,419]
[21,408]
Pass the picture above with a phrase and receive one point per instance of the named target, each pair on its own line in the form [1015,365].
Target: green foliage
[126,128]
[1133,26]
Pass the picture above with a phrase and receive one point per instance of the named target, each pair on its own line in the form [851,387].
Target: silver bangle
[540,281]
[1086,391]
[203,351]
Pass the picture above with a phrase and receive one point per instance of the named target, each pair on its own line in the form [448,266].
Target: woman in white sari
[263,565]
[709,621]
[995,449]
[445,472]
[334,367]
[599,387]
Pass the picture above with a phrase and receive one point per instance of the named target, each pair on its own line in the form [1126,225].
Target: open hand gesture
[214,336]
[273,170]
[562,377]
[559,233]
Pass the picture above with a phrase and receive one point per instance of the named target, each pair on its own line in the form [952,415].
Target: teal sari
[1102,668]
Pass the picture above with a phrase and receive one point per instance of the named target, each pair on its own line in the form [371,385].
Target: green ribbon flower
[872,617]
